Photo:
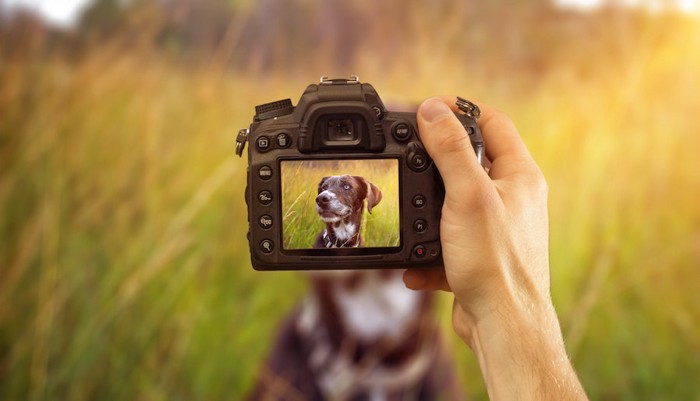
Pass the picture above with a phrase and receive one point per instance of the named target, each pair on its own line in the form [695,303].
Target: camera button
[283,140]
[265,221]
[420,225]
[267,245]
[401,131]
[265,197]
[263,143]
[419,251]
[418,201]
[265,173]
[418,161]
[416,158]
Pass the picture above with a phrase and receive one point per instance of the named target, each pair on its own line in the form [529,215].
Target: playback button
[263,143]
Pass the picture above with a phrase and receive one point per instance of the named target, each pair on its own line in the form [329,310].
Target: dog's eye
[324,187]
[346,187]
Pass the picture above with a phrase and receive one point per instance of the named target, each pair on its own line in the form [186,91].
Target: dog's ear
[374,195]
[320,184]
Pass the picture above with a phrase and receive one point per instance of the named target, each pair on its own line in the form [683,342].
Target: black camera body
[340,182]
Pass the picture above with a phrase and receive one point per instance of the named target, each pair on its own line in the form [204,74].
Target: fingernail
[433,109]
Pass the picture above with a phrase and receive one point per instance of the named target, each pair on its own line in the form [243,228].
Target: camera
[340,182]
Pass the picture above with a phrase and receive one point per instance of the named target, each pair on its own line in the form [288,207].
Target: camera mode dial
[274,109]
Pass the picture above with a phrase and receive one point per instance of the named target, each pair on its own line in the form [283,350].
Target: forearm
[522,357]
[494,235]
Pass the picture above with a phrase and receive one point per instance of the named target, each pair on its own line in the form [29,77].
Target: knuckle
[497,118]
[539,181]
[450,136]
[536,182]
[454,142]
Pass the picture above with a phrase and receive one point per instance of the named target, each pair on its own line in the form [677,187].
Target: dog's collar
[327,240]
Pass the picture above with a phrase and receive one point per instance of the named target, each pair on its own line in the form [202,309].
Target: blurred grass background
[300,179]
[124,270]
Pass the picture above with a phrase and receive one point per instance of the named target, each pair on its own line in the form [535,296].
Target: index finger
[449,145]
[505,147]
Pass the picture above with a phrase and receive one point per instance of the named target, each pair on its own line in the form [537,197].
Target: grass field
[299,189]
[124,269]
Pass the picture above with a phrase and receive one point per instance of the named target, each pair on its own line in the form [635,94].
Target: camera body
[340,182]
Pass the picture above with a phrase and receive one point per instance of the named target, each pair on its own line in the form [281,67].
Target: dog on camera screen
[340,204]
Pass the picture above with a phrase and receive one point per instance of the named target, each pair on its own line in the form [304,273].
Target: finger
[448,144]
[504,145]
[417,279]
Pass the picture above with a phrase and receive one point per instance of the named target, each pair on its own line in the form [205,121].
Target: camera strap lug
[241,139]
[468,108]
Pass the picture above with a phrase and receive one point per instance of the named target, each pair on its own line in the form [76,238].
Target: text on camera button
[418,201]
[265,173]
[267,245]
[418,161]
[402,131]
[283,140]
[265,221]
[420,225]
[262,143]
[265,197]
[416,157]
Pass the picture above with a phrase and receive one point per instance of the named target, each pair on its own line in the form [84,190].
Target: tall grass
[122,249]
[124,270]
[301,223]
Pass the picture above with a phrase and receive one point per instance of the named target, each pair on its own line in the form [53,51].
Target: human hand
[494,234]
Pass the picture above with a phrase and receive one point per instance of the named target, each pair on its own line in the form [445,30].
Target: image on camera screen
[340,204]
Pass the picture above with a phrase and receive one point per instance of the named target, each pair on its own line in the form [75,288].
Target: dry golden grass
[124,270]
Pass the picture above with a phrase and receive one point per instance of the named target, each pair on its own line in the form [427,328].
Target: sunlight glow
[65,12]
[685,6]
[58,12]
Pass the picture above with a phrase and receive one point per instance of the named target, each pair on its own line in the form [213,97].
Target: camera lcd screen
[340,204]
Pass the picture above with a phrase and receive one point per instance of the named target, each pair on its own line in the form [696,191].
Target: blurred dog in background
[359,335]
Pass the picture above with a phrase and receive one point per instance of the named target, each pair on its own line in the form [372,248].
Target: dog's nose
[322,200]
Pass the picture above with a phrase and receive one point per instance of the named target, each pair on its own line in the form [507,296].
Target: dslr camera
[340,182]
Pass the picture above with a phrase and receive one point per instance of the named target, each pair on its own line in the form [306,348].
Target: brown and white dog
[340,204]
[359,335]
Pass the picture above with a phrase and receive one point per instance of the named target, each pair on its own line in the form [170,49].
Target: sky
[64,12]
[59,12]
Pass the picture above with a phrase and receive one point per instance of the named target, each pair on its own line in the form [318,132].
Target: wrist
[521,353]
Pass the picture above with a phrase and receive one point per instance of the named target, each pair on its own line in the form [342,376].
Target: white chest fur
[344,231]
[378,307]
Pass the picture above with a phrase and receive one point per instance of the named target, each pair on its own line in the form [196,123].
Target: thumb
[448,144]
